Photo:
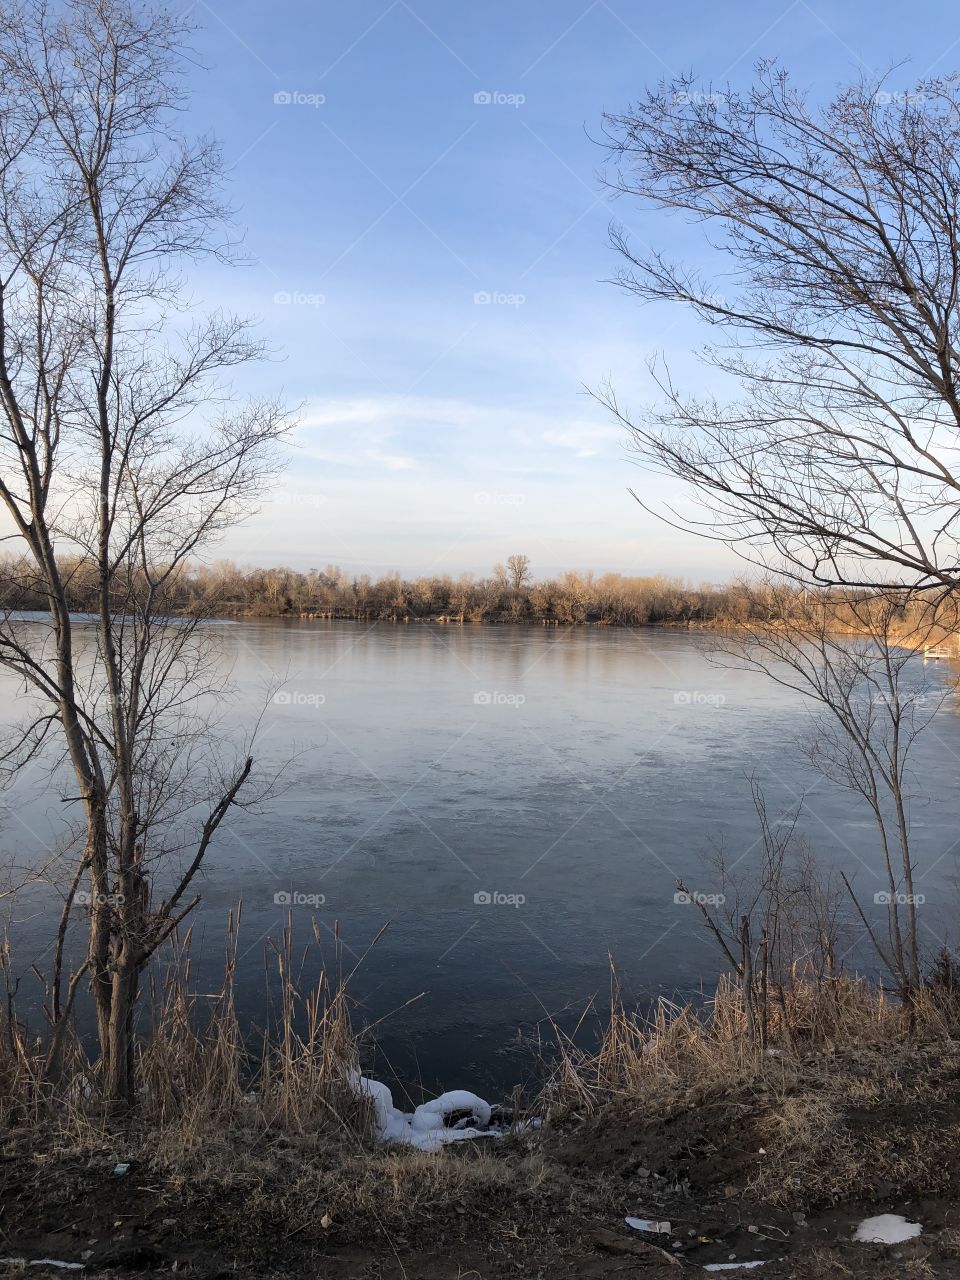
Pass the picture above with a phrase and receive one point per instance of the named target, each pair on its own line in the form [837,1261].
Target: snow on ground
[886,1228]
[425,1128]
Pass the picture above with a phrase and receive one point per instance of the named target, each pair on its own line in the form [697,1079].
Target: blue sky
[439,433]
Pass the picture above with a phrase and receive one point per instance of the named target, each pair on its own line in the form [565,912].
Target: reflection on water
[516,803]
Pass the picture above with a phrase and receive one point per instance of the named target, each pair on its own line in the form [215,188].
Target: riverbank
[776,1167]
[723,1155]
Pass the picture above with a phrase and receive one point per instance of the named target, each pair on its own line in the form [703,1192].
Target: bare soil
[778,1169]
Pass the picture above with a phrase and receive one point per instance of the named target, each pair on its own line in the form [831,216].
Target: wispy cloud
[586,441]
[394,461]
[405,432]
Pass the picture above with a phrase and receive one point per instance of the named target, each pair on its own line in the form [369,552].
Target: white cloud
[386,412]
[586,441]
[392,460]
[403,432]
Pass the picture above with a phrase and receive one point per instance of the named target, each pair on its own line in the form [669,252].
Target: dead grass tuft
[854,1096]
[200,1082]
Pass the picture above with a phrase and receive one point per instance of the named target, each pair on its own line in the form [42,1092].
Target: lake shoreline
[717,1158]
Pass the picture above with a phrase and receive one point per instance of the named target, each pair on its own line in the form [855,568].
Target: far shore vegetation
[509,594]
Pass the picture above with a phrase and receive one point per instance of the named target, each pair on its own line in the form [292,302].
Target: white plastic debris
[648,1224]
[41,1262]
[886,1228]
[120,1169]
[735,1266]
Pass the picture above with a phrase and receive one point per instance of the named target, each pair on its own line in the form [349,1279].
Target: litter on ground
[647,1224]
[886,1228]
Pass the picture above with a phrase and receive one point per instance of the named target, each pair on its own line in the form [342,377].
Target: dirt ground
[775,1171]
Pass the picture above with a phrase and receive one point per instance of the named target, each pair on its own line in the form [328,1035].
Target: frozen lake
[515,803]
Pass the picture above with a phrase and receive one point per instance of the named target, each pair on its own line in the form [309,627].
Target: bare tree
[122,448]
[854,660]
[518,567]
[837,459]
[778,920]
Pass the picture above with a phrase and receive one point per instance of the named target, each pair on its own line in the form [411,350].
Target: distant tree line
[507,595]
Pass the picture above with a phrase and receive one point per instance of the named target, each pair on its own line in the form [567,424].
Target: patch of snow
[430,1114]
[647,1224]
[886,1228]
[425,1128]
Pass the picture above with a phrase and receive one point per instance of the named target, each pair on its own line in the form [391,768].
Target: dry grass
[200,1081]
[854,1097]
[264,1131]
[682,1046]
[849,1096]
[260,1146]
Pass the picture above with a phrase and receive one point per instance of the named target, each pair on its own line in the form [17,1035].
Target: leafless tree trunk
[120,448]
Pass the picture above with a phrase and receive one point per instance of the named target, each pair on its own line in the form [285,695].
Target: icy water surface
[515,803]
